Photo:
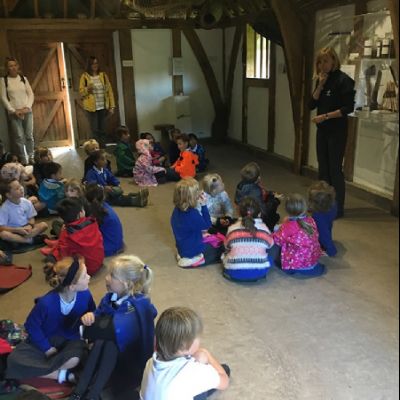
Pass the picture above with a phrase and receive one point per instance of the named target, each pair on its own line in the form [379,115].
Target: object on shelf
[390,98]
[368,48]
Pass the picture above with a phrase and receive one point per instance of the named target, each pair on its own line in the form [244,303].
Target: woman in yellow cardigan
[97,98]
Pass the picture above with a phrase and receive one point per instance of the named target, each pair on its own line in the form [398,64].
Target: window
[258,55]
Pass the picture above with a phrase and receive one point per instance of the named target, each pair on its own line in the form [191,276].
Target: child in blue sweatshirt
[123,357]
[51,190]
[322,203]
[54,346]
[188,225]
[109,223]
[102,176]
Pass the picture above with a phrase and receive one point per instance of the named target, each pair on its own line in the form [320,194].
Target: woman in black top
[334,99]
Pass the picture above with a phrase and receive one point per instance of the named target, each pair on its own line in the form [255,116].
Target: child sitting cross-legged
[109,223]
[157,153]
[297,241]
[90,147]
[247,245]
[54,347]
[145,173]
[185,165]
[124,152]
[180,368]
[102,176]
[188,224]
[198,149]
[123,354]
[79,235]
[42,156]
[322,204]
[51,190]
[17,217]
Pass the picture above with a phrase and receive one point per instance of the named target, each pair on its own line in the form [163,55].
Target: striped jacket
[246,257]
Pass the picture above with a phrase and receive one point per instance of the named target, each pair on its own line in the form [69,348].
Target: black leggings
[98,369]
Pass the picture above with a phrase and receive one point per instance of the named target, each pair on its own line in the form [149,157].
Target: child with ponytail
[247,245]
[54,347]
[297,239]
[124,354]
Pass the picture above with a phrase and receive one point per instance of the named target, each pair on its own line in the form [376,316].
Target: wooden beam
[395,203]
[5,8]
[92,9]
[272,101]
[177,80]
[294,44]
[128,77]
[244,88]
[36,8]
[394,13]
[65,8]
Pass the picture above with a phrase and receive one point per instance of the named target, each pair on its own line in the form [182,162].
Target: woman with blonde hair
[188,225]
[54,347]
[333,98]
[129,315]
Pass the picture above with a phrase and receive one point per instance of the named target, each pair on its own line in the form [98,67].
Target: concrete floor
[334,337]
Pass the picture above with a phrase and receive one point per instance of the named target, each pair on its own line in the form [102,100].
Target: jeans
[212,255]
[97,121]
[331,147]
[22,130]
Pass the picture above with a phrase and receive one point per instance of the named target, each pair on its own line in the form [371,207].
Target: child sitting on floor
[322,203]
[188,225]
[127,305]
[17,216]
[54,346]
[79,235]
[180,369]
[297,240]
[42,156]
[124,152]
[218,202]
[51,190]
[198,149]
[173,150]
[109,223]
[102,176]
[247,245]
[90,147]
[250,186]
[157,153]
[144,172]
[187,162]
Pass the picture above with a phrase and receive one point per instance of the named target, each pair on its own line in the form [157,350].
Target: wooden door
[43,64]
[76,55]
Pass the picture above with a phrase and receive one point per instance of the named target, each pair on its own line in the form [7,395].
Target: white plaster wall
[284,125]
[235,121]
[152,50]
[257,121]
[194,83]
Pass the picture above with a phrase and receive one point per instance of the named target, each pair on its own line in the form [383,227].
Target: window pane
[264,59]
[258,56]
[250,52]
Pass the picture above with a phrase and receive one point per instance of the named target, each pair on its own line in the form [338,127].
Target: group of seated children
[121,335]
[206,232]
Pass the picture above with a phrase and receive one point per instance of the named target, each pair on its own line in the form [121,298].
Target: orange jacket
[185,165]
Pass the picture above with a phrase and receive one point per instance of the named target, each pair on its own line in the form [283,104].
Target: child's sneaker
[194,262]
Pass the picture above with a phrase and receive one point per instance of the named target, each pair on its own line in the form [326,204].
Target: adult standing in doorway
[17,97]
[98,98]
[334,99]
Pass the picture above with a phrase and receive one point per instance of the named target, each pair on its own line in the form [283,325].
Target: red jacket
[185,166]
[82,237]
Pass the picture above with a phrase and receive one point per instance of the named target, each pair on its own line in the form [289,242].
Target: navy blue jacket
[112,232]
[103,178]
[187,227]
[250,189]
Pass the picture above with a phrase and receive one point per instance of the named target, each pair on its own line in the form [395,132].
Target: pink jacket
[299,249]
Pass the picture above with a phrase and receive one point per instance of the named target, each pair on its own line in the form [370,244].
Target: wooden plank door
[76,56]
[43,64]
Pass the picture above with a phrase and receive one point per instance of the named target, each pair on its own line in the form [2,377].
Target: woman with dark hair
[17,97]
[97,98]
[334,99]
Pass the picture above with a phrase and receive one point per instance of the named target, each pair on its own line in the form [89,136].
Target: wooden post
[272,101]
[92,9]
[125,43]
[177,80]
[65,8]
[36,8]
[292,33]
[5,8]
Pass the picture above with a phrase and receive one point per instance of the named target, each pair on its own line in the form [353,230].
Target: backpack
[12,332]
[6,83]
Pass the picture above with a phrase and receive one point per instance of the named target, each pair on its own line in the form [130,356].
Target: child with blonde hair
[130,314]
[41,156]
[322,202]
[247,245]
[54,347]
[297,239]
[218,202]
[180,369]
[188,224]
